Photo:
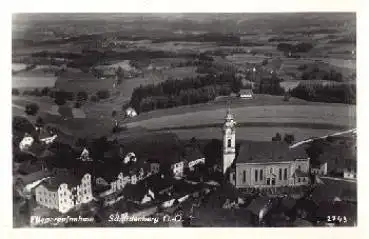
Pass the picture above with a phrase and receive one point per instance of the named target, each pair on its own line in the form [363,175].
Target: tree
[77,104]
[289,138]
[94,98]
[213,152]
[15,91]
[103,94]
[60,100]
[31,109]
[114,113]
[22,125]
[39,122]
[82,95]
[277,137]
[45,91]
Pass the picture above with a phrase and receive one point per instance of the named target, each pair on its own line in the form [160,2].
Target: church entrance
[273,181]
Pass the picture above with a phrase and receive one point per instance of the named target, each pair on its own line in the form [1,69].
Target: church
[262,164]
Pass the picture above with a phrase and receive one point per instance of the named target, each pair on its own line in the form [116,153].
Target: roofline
[270,162]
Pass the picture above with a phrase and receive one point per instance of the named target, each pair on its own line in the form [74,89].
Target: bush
[77,104]
[31,109]
[94,98]
[82,95]
[15,91]
[39,122]
[103,94]
[277,137]
[60,100]
[289,138]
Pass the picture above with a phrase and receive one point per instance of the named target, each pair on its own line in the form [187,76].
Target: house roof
[261,152]
[298,173]
[55,182]
[192,153]
[257,204]
[134,192]
[245,92]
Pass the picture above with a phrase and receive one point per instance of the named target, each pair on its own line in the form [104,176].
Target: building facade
[262,164]
[64,194]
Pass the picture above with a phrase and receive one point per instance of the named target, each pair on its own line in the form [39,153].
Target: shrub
[94,98]
[15,91]
[31,109]
[82,95]
[103,94]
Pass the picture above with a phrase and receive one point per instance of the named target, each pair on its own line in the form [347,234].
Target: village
[183,183]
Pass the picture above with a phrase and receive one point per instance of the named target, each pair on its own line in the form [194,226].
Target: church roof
[260,152]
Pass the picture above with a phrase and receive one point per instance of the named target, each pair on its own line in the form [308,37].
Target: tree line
[330,93]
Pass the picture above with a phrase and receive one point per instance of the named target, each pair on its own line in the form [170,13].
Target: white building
[49,140]
[26,142]
[246,94]
[64,194]
[130,112]
[349,174]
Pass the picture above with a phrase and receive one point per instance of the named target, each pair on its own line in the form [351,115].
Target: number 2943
[340,219]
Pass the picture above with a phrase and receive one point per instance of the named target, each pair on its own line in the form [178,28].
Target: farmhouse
[63,194]
[26,142]
[262,164]
[246,94]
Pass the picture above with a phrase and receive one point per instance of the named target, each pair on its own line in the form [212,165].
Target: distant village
[249,183]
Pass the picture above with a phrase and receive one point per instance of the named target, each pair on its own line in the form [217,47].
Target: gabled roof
[54,183]
[257,204]
[245,92]
[269,151]
[298,173]
[192,153]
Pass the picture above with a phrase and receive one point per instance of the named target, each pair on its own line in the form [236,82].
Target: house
[130,157]
[26,142]
[349,173]
[130,112]
[270,164]
[85,155]
[64,193]
[262,164]
[193,157]
[246,94]
[321,169]
[339,159]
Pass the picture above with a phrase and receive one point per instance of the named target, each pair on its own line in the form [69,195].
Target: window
[271,170]
[304,179]
[261,174]
[268,181]
[299,167]
[229,143]
[244,176]
[280,174]
[285,174]
[256,175]
[299,180]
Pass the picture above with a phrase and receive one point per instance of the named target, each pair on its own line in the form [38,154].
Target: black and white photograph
[218,119]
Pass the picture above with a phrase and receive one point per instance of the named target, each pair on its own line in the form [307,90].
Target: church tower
[229,140]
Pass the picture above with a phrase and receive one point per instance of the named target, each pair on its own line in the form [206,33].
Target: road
[353,131]
[341,179]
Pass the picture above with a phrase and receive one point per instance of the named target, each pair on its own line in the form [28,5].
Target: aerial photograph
[184,120]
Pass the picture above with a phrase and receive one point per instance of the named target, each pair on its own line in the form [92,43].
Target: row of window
[259,174]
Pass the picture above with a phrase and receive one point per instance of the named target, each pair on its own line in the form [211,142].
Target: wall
[66,199]
[266,170]
[46,198]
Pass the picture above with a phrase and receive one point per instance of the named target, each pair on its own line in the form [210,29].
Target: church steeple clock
[229,140]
